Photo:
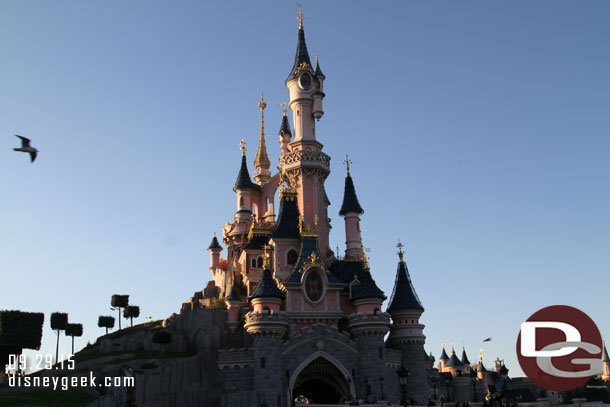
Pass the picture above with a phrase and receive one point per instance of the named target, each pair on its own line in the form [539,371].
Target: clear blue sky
[479,134]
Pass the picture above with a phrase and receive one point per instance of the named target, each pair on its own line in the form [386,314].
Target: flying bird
[26,147]
[487,340]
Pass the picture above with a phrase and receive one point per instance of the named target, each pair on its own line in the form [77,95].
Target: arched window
[253,263]
[291,257]
[260,262]
[241,202]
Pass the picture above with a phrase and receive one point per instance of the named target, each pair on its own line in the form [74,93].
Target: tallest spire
[301,59]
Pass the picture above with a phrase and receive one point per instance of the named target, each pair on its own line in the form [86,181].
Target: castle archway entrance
[321,382]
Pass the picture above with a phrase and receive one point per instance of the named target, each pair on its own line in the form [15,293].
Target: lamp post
[403,379]
[381,383]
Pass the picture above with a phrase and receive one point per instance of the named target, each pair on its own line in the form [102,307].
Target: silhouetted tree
[162,338]
[19,330]
[105,322]
[59,321]
[131,312]
[74,330]
[119,301]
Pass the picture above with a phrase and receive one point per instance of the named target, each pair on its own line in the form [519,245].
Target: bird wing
[25,142]
[487,340]
[33,155]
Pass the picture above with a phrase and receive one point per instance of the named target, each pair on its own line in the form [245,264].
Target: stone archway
[322,381]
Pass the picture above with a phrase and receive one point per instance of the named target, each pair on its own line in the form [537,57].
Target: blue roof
[368,288]
[454,361]
[267,287]
[444,355]
[404,296]
[287,226]
[301,56]
[214,244]
[233,296]
[350,200]
[243,177]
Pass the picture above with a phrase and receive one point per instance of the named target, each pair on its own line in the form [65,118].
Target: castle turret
[318,111]
[234,303]
[285,134]
[261,162]
[304,162]
[406,333]
[454,365]
[465,361]
[605,364]
[214,250]
[268,326]
[442,361]
[368,297]
[369,326]
[244,188]
[351,211]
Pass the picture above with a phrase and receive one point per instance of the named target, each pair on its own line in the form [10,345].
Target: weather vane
[242,146]
[283,104]
[347,162]
[300,15]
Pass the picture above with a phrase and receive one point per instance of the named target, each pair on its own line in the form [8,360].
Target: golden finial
[347,162]
[300,15]
[242,146]
[214,234]
[261,159]
[481,354]
[266,256]
[443,343]
[401,253]
[283,104]
[293,184]
[262,105]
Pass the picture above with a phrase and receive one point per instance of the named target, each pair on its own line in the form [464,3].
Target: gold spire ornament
[283,104]
[262,160]
[401,256]
[300,15]
[242,146]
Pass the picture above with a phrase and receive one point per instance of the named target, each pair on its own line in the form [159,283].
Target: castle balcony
[308,158]
[369,324]
[266,323]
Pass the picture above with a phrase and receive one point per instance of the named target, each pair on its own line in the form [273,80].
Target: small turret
[368,297]
[318,111]
[442,361]
[243,188]
[454,365]
[351,211]
[406,332]
[214,250]
[261,162]
[285,134]
[234,303]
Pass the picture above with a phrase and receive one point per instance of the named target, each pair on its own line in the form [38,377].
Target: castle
[307,322]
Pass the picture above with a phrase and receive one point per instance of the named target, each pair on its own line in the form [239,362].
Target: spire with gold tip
[261,161]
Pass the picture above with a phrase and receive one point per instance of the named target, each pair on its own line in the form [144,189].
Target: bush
[217,303]
[59,321]
[131,311]
[21,329]
[74,330]
[119,301]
